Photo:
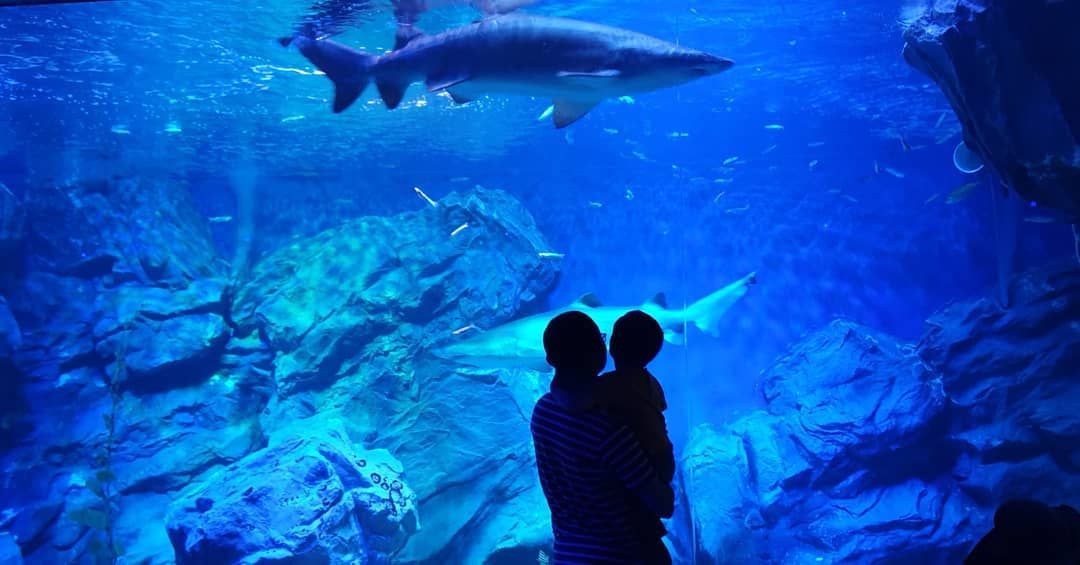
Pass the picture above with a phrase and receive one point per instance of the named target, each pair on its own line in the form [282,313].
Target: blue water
[842,212]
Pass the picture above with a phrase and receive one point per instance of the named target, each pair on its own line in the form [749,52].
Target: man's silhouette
[587,462]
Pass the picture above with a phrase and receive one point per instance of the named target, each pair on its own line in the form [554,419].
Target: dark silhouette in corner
[1030,533]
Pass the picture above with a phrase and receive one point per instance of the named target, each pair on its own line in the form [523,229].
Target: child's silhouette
[635,398]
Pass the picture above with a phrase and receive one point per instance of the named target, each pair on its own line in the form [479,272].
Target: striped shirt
[587,463]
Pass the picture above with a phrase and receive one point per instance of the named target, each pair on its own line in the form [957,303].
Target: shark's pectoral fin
[444,81]
[675,337]
[391,92]
[603,73]
[570,111]
[458,97]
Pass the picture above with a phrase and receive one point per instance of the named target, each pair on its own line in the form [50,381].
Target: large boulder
[1011,375]
[121,229]
[121,383]
[12,226]
[10,334]
[350,314]
[834,465]
[1007,69]
[874,450]
[314,498]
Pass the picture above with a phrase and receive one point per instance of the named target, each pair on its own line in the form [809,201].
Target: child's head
[636,340]
[573,343]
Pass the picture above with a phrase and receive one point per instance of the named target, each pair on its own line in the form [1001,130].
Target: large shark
[519,344]
[575,64]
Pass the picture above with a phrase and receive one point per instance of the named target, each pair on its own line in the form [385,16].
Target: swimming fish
[424,196]
[962,192]
[550,255]
[219,219]
[459,229]
[462,330]
[774,127]
[730,160]
[581,65]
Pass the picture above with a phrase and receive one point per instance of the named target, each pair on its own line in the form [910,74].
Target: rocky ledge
[874,450]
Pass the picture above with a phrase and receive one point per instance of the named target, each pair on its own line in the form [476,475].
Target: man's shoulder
[549,407]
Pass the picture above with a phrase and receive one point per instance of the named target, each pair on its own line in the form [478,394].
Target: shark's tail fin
[707,312]
[349,69]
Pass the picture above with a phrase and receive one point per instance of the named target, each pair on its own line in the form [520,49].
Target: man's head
[636,340]
[573,344]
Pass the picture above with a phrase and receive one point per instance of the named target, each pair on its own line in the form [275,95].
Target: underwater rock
[12,225]
[873,450]
[318,300]
[121,310]
[122,229]
[349,314]
[1002,65]
[154,356]
[856,394]
[851,423]
[1011,375]
[314,498]
[10,335]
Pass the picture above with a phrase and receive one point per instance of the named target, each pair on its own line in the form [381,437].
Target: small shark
[519,344]
[574,63]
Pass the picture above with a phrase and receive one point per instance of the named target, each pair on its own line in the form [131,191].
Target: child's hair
[636,339]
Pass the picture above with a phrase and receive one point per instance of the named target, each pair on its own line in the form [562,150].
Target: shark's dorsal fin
[660,299]
[589,300]
[570,111]
[405,34]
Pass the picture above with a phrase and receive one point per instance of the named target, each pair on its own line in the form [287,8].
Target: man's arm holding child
[623,454]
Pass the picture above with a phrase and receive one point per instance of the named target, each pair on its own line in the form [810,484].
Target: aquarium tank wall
[274,274]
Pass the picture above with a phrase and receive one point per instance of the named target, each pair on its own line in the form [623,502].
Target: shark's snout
[711,65]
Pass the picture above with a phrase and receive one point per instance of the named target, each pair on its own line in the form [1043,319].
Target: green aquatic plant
[99,516]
